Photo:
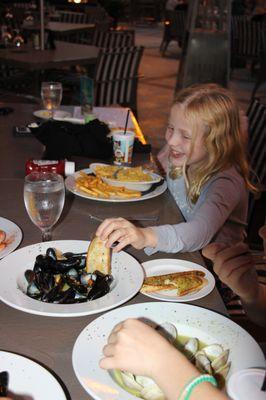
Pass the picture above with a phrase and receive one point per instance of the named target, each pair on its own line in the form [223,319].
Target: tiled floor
[156,86]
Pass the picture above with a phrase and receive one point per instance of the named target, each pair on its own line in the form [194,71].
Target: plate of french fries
[85,184]
[135,178]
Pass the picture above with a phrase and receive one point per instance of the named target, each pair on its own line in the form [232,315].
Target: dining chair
[174,29]
[73,17]
[257,156]
[116,77]
[260,72]
[111,39]
[247,38]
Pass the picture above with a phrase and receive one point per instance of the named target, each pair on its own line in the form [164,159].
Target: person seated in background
[234,267]
[207,175]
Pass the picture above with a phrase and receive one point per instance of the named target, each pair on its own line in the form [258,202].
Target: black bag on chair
[64,139]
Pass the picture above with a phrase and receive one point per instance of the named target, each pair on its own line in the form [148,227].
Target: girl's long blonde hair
[215,108]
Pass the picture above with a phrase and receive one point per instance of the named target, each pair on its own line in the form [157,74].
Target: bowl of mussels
[67,278]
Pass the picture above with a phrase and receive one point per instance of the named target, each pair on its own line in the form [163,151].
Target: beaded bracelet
[186,392]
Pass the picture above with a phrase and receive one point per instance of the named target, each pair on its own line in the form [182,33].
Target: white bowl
[141,186]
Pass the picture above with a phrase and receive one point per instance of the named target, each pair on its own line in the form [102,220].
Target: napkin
[64,139]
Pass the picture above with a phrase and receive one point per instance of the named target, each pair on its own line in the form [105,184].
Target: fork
[147,218]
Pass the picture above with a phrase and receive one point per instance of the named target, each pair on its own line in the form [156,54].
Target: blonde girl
[207,175]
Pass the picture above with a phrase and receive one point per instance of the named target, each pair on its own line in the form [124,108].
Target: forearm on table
[256,307]
[173,377]
[185,236]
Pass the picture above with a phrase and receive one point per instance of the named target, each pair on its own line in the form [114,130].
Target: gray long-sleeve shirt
[219,215]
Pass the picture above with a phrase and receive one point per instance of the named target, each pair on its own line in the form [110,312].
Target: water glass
[51,93]
[44,197]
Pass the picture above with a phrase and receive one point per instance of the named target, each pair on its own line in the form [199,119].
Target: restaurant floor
[158,79]
[155,96]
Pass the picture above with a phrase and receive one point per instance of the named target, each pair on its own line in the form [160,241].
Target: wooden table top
[65,54]
[61,27]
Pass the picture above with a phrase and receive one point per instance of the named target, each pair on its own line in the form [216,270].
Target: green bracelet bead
[190,386]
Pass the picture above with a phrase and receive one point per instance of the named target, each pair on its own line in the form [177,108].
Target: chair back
[206,61]
[246,37]
[257,140]
[73,17]
[112,39]
[257,155]
[116,77]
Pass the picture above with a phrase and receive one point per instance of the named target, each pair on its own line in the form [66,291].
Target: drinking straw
[125,130]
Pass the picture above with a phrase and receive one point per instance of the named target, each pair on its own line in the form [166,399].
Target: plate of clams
[214,343]
[51,279]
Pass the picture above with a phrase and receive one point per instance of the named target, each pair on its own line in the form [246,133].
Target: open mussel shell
[100,287]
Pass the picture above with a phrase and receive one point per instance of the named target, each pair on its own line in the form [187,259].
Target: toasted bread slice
[98,257]
[184,282]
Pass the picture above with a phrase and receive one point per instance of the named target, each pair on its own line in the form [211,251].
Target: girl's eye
[186,137]
[170,129]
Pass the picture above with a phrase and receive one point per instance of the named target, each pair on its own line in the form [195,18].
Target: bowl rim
[156,177]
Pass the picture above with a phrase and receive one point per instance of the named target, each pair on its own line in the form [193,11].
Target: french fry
[94,186]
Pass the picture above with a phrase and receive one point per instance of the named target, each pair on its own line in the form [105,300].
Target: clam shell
[202,362]
[213,351]
[130,382]
[152,392]
[191,347]
[167,330]
[220,361]
[223,371]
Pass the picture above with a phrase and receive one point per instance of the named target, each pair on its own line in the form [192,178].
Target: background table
[50,340]
[64,55]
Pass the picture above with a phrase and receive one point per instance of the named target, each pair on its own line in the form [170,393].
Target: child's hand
[124,232]
[135,347]
[234,266]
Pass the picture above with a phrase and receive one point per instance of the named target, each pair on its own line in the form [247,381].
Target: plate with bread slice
[68,278]
[176,280]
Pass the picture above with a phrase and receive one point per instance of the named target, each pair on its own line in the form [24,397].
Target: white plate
[44,114]
[140,185]
[189,320]
[127,272]
[71,186]
[13,236]
[29,380]
[169,266]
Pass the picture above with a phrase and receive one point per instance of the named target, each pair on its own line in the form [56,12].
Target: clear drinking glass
[51,93]
[44,197]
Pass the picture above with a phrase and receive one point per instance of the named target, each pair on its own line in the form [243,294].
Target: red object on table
[62,167]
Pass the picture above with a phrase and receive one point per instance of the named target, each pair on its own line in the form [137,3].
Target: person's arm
[234,266]
[186,236]
[135,347]
[217,204]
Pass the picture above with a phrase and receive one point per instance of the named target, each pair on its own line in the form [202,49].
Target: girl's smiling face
[179,138]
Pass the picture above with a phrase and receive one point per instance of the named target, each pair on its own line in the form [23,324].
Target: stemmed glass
[44,197]
[51,93]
